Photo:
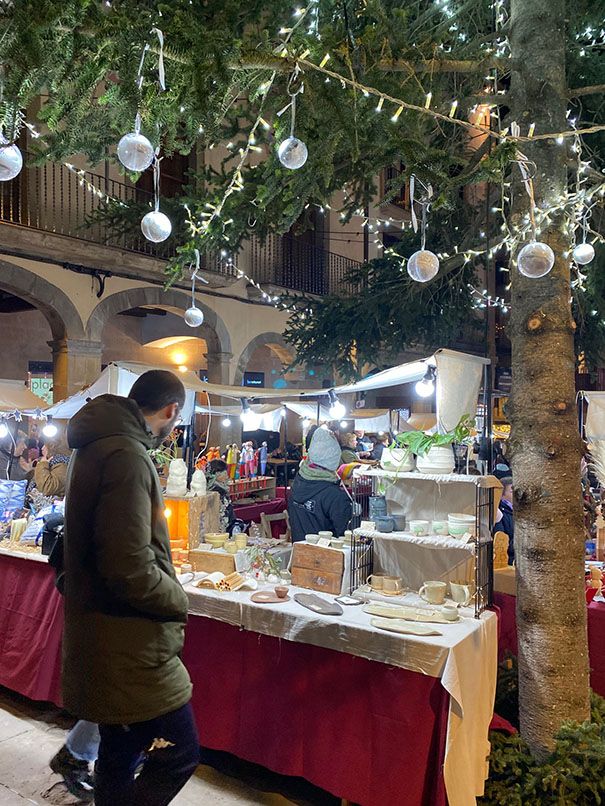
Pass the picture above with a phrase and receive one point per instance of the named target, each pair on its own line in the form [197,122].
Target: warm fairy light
[167,512]
[395,117]
[428,99]
[179,358]
[380,103]
[183,368]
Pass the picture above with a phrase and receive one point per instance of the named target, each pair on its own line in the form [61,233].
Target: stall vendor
[318,502]
[51,471]
[217,481]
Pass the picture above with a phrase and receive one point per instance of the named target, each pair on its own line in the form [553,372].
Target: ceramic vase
[437,461]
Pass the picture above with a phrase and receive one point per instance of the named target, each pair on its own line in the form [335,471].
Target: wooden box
[211,561]
[317,568]
[190,518]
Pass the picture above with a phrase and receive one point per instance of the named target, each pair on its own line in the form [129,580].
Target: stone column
[219,371]
[76,364]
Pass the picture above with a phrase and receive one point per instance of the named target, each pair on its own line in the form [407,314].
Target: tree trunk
[546,447]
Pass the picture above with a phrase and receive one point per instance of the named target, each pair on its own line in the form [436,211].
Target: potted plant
[434,451]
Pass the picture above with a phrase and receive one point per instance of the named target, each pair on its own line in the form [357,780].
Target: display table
[506,600]
[332,700]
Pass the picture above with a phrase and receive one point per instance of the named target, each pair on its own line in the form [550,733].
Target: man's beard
[166,429]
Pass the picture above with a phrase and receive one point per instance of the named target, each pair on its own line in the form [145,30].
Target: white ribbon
[161,73]
[195,276]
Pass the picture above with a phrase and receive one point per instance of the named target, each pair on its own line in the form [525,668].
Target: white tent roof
[118,379]
[15,396]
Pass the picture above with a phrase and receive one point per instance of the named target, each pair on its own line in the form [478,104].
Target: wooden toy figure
[596,580]
[247,459]
[232,457]
[242,462]
[262,458]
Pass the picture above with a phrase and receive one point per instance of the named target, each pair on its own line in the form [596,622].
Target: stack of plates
[459,524]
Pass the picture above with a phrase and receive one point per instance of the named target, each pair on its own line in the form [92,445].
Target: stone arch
[273,340]
[213,330]
[60,312]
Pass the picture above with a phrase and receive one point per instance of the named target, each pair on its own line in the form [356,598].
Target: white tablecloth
[464,658]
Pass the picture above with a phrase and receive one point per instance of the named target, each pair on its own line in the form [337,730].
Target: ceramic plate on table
[268,597]
[403,627]
[389,611]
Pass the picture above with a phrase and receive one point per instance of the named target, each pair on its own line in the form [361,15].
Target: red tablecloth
[596,636]
[362,730]
[252,512]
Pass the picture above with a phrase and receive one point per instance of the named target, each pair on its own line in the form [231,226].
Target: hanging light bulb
[337,409]
[3,429]
[426,386]
[226,422]
[50,430]
[250,419]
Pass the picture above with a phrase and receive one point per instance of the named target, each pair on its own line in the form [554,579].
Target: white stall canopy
[118,379]
[15,396]
[594,424]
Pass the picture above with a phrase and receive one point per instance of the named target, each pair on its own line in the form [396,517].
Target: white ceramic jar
[438,461]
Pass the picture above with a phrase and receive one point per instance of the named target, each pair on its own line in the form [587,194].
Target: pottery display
[439,528]
[312,538]
[230,546]
[281,591]
[433,592]
[376,582]
[198,483]
[325,535]
[459,524]
[437,461]
[384,523]
[176,484]
[419,528]
[377,506]
[337,543]
[241,541]
[392,586]
[216,540]
[462,593]
[399,460]
[450,612]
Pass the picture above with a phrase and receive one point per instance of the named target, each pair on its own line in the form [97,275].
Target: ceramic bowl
[419,528]
[460,517]
[384,523]
[241,541]
[312,538]
[337,543]
[439,527]
[216,540]
[281,591]
[399,521]
[460,529]
[230,546]
[328,535]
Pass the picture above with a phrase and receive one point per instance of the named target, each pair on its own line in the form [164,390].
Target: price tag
[324,541]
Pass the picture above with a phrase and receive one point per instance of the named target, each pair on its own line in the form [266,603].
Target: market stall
[399,708]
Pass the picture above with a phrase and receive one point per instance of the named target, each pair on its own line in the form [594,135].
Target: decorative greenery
[166,452]
[573,774]
[421,443]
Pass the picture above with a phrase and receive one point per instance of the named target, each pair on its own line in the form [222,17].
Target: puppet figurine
[247,460]
[262,458]
[232,456]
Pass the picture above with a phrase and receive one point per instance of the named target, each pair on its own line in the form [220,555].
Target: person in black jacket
[505,521]
[318,502]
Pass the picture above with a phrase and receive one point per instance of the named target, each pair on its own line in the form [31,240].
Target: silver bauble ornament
[423,266]
[583,253]
[11,162]
[535,259]
[135,152]
[193,316]
[292,153]
[156,226]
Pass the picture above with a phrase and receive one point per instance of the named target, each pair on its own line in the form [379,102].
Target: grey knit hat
[324,450]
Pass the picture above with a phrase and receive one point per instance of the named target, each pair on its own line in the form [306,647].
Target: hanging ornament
[422,265]
[194,317]
[292,152]
[536,259]
[135,152]
[156,226]
[583,253]
[11,160]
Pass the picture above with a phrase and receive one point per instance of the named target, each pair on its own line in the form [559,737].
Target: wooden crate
[190,518]
[317,568]
[211,561]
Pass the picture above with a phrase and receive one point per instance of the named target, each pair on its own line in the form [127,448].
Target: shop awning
[15,396]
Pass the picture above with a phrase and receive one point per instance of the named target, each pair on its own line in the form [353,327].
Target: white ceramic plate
[403,627]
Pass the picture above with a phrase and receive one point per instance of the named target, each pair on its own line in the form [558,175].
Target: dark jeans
[168,746]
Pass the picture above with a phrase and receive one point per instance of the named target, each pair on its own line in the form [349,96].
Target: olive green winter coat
[125,611]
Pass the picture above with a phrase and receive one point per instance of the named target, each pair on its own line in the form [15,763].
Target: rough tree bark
[549,540]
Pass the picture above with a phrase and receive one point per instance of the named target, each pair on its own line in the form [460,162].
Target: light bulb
[337,410]
[343,423]
[425,388]
[3,430]
[226,422]
[50,430]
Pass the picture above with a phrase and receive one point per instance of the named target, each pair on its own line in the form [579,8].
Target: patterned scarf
[311,472]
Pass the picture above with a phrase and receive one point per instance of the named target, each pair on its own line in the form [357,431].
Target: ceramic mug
[392,585]
[450,612]
[433,592]
[461,593]
[376,582]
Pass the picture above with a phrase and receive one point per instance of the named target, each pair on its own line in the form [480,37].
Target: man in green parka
[125,611]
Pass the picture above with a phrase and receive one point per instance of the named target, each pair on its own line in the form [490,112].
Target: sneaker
[75,773]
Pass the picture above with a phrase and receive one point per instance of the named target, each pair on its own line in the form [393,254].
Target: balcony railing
[285,261]
[53,198]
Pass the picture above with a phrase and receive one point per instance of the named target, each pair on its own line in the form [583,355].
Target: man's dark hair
[217,466]
[156,389]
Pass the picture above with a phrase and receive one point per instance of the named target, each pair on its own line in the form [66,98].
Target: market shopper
[318,502]
[125,611]
[217,481]
[505,521]
[50,474]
